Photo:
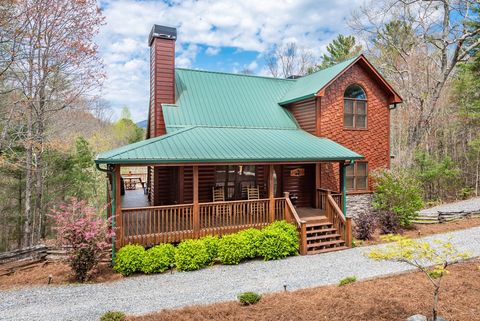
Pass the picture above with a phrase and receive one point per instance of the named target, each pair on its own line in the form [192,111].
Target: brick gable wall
[372,143]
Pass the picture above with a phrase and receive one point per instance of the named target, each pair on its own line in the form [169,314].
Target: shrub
[249,298]
[365,225]
[348,280]
[211,243]
[191,255]
[79,228]
[113,316]
[253,237]
[129,259]
[279,240]
[158,258]
[232,248]
[388,222]
[399,193]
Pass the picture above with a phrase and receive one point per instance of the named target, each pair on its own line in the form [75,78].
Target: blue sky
[213,35]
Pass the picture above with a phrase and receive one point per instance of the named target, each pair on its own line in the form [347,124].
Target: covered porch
[214,181]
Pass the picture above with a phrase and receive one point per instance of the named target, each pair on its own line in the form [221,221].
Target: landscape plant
[254,241]
[432,260]
[388,222]
[233,248]
[84,233]
[113,316]
[249,298]
[191,255]
[129,259]
[365,225]
[211,244]
[398,192]
[158,258]
[347,280]
[279,240]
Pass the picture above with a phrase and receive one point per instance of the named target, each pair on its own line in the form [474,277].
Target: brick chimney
[162,75]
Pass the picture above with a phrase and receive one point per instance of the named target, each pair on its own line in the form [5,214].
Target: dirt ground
[385,299]
[60,272]
[420,230]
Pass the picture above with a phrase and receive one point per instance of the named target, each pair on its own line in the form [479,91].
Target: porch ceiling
[199,144]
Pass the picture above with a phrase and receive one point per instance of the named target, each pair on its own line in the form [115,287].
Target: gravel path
[219,283]
[470,205]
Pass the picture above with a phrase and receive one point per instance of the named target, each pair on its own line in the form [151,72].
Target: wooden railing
[322,198]
[335,216]
[291,216]
[172,223]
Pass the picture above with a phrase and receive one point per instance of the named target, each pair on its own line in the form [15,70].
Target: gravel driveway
[470,205]
[219,283]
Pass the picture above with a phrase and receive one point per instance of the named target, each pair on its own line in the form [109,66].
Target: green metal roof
[308,86]
[207,98]
[198,144]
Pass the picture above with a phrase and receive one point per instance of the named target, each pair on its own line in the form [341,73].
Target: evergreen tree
[340,49]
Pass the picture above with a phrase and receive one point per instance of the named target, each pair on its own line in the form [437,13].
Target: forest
[53,121]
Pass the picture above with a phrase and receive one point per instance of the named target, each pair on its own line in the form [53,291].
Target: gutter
[114,192]
[392,108]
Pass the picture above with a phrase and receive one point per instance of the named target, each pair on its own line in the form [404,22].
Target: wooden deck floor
[310,213]
[134,198]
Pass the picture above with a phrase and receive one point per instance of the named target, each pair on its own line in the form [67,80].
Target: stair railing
[335,215]
[291,216]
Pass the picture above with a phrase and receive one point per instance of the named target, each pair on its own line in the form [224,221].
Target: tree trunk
[28,182]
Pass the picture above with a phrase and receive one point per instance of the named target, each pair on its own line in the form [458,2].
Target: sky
[224,36]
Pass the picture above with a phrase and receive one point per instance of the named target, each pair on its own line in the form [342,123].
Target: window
[355,107]
[357,176]
[235,180]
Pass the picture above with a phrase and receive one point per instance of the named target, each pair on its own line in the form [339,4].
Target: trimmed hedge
[158,258]
[129,259]
[191,255]
[275,241]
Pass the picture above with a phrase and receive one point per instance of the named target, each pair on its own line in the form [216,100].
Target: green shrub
[191,255]
[129,259]
[211,243]
[279,240]
[249,298]
[113,316]
[232,248]
[399,193]
[348,280]
[158,258]
[253,237]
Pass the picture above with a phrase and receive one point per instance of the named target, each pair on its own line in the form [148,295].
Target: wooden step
[328,243]
[330,249]
[321,224]
[322,237]
[323,230]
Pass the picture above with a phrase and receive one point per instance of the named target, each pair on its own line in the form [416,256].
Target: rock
[417,317]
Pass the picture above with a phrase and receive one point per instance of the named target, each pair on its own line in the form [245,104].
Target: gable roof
[199,144]
[205,98]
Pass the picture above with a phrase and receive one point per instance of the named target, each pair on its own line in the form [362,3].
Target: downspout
[344,187]
[114,192]
[390,108]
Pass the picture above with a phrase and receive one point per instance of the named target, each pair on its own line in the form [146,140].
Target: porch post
[318,168]
[343,186]
[117,219]
[180,180]
[271,196]
[196,207]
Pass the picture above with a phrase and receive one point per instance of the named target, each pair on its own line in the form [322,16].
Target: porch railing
[172,223]
[322,198]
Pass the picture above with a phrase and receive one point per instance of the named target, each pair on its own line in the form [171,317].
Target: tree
[125,130]
[432,261]
[55,63]
[289,60]
[340,49]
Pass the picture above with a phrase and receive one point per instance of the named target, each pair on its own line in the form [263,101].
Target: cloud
[248,25]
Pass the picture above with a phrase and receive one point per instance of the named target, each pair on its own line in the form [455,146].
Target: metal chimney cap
[162,32]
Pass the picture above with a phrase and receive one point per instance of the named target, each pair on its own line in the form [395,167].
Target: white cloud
[246,25]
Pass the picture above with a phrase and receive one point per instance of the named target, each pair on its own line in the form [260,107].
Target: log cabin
[226,152]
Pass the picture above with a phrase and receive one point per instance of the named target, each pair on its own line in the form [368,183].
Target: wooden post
[119,242]
[288,215]
[343,187]
[303,238]
[318,169]
[271,196]
[196,207]
[180,185]
[348,232]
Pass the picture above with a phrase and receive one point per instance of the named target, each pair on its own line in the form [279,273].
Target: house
[225,152]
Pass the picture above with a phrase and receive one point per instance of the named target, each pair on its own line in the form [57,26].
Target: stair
[322,237]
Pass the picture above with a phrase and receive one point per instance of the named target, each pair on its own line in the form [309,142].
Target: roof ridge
[235,74]
[340,62]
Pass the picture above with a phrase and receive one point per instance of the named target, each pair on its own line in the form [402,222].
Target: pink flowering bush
[87,235]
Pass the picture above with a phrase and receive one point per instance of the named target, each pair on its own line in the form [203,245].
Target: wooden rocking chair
[220,210]
[256,209]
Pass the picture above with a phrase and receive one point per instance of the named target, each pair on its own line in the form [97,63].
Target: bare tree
[417,45]
[56,64]
[289,60]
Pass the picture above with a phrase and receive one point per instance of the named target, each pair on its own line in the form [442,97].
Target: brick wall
[372,143]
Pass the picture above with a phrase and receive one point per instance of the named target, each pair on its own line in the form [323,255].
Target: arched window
[355,107]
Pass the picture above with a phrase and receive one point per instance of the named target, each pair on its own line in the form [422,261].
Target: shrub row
[276,241]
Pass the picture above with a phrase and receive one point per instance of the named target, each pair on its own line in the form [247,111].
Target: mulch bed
[384,299]
[60,272]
